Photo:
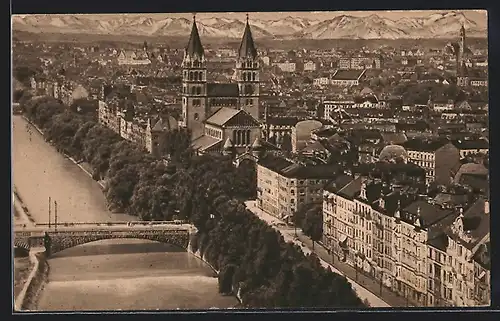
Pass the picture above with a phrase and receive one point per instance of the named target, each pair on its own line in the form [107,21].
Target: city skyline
[225,164]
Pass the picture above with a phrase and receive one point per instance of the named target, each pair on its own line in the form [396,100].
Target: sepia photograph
[250,160]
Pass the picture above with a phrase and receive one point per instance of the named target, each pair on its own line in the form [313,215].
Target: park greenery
[253,260]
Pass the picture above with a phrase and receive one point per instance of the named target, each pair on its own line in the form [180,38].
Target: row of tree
[253,259]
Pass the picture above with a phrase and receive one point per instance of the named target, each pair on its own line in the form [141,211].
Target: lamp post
[356,264]
[55,215]
[50,201]
[381,278]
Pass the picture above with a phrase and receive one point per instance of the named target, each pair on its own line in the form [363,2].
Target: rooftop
[290,169]
[348,74]
[471,144]
[351,189]
[282,121]
[424,145]
[429,214]
[338,183]
[204,142]
[476,225]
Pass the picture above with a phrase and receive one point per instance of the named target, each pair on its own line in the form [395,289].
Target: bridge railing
[129,223]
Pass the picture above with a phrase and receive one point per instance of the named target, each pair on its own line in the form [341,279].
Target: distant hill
[441,25]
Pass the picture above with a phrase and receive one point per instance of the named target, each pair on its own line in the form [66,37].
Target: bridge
[66,235]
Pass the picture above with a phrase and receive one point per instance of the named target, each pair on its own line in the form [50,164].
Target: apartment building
[471,146]
[145,132]
[437,157]
[331,106]
[310,66]
[284,185]
[459,258]
[286,66]
[360,62]
[410,245]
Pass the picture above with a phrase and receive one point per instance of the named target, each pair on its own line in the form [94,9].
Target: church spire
[194,46]
[247,46]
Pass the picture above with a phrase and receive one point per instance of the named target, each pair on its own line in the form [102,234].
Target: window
[196,116]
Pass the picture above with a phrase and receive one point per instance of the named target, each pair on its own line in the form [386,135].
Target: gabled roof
[348,74]
[429,214]
[351,189]
[247,45]
[476,223]
[424,145]
[225,114]
[163,124]
[204,142]
[194,46]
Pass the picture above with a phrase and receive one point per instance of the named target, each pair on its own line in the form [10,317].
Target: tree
[313,224]
[225,276]
[246,180]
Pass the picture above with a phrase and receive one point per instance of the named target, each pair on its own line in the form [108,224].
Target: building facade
[283,186]
[437,158]
[201,99]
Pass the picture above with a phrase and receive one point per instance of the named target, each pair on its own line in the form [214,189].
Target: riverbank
[22,270]
[28,297]
[198,255]
[20,210]
[27,287]
[82,165]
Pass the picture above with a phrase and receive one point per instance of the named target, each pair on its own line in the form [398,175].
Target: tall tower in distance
[463,45]
[462,72]
[194,83]
[247,74]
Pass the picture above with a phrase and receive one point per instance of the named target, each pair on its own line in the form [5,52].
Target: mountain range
[436,25]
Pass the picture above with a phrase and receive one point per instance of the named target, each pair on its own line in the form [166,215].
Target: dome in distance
[392,152]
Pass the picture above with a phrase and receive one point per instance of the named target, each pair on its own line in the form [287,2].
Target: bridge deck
[102,227]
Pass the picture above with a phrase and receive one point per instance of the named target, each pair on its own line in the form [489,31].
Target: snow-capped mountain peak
[372,26]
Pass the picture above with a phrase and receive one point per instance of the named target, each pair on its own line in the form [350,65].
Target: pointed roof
[228,144]
[256,144]
[194,45]
[247,46]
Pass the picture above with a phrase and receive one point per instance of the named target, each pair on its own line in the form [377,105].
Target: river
[105,275]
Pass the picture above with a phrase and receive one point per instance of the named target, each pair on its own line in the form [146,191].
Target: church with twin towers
[202,100]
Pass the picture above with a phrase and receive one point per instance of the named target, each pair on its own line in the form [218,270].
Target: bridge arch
[59,241]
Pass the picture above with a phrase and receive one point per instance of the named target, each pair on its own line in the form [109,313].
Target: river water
[110,274]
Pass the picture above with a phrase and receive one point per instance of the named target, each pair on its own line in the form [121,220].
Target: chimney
[486,207]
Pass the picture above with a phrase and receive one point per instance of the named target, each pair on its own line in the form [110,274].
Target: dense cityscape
[340,177]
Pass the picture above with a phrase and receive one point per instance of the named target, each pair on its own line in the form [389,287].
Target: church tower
[463,45]
[247,74]
[194,82]
[462,72]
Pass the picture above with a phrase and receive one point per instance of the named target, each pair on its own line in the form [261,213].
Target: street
[306,245]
